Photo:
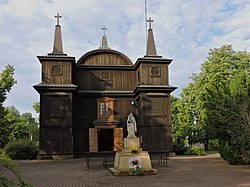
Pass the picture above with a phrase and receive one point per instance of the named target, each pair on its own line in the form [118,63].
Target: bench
[102,154]
[162,156]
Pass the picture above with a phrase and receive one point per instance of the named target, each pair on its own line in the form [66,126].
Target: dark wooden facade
[70,92]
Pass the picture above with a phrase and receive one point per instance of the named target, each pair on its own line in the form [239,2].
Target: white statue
[131,126]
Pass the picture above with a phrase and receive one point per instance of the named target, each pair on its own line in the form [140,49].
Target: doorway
[105,140]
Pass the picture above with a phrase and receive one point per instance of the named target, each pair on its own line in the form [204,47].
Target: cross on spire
[150,21]
[58,17]
[104,29]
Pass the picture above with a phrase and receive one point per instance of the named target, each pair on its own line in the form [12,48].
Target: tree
[179,129]
[12,117]
[27,120]
[6,82]
[227,101]
[20,126]
[215,105]
[36,107]
[188,123]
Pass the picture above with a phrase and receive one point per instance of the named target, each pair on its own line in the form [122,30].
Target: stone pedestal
[123,160]
[130,142]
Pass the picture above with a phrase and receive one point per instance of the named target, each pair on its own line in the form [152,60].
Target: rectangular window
[105,109]
[102,110]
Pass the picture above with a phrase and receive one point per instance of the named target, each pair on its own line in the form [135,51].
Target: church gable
[104,58]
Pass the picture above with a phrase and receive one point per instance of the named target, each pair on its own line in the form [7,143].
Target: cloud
[183,30]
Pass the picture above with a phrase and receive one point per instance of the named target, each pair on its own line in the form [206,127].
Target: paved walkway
[207,171]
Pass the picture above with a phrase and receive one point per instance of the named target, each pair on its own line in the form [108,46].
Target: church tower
[153,98]
[56,89]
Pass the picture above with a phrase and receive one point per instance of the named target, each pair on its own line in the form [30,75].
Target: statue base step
[116,172]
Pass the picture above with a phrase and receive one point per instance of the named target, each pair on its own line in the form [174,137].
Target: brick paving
[207,171]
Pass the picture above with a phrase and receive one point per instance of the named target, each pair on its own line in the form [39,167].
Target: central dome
[104,57]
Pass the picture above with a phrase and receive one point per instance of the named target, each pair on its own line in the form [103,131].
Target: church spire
[58,47]
[151,49]
[104,44]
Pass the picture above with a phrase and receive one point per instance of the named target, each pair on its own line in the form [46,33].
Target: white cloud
[184,31]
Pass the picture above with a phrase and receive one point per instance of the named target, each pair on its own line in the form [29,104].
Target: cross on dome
[150,21]
[104,29]
[58,17]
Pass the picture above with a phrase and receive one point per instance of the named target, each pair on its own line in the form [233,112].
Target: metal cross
[150,21]
[58,17]
[104,29]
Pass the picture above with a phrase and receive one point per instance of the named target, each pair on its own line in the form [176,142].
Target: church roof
[46,86]
[56,85]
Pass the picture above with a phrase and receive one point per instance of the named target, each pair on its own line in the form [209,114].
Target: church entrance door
[105,139]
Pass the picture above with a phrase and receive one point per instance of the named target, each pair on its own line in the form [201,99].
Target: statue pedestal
[128,163]
[130,142]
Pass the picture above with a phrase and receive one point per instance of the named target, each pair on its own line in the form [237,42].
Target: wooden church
[84,104]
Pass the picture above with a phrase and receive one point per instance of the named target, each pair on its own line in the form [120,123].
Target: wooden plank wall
[65,77]
[85,111]
[154,138]
[149,78]
[56,126]
[116,80]
[56,140]
[106,59]
[155,126]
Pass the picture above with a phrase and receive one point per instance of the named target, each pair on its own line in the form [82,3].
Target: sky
[184,30]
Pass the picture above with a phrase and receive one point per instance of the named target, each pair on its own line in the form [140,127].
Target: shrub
[23,149]
[195,151]
[214,144]
[6,162]
[231,153]
[179,149]
[246,157]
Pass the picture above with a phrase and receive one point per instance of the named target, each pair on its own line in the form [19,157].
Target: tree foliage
[6,82]
[216,104]
[20,126]
[179,130]
[6,162]
[36,107]
[227,102]
[13,126]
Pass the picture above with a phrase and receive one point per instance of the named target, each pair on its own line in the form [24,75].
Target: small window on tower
[56,70]
[155,71]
